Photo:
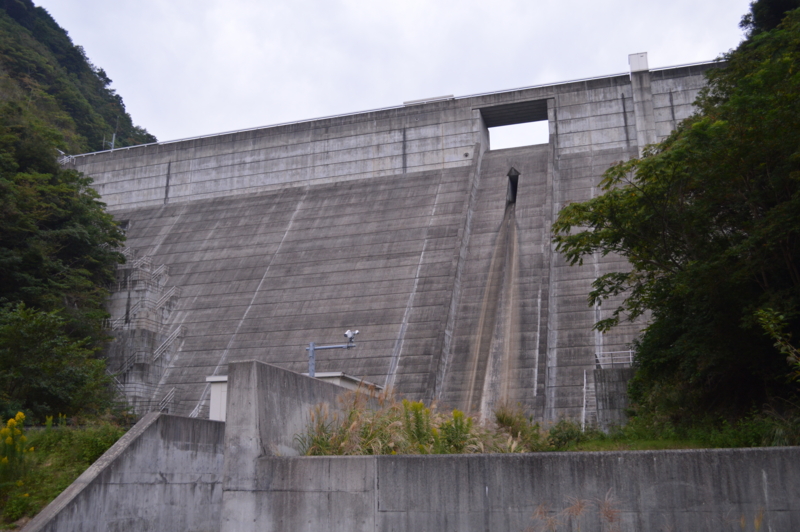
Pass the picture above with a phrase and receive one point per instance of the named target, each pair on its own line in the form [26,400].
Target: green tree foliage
[765,15]
[58,246]
[710,222]
[52,78]
[57,254]
[57,243]
[44,370]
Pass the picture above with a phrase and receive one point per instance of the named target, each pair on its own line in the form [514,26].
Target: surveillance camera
[350,335]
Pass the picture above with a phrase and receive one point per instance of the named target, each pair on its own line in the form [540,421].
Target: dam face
[400,222]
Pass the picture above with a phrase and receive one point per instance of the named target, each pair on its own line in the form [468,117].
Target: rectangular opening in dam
[516,124]
[519,135]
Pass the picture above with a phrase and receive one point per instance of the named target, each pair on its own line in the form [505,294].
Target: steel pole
[311,361]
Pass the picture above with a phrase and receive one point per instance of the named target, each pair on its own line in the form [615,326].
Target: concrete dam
[400,222]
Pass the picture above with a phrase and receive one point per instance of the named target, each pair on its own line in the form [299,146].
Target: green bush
[564,434]
[17,507]
[81,445]
[455,434]
[54,457]
[757,429]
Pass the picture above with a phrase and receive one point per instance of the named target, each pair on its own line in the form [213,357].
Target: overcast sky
[194,67]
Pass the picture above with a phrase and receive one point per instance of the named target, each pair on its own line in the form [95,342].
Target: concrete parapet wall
[592,114]
[164,474]
[699,490]
[419,138]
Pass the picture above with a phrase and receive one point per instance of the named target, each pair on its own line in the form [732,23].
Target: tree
[58,246]
[58,252]
[43,370]
[57,243]
[710,222]
[765,15]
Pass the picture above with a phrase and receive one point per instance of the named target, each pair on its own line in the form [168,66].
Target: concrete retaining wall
[626,491]
[163,475]
[713,490]
[167,474]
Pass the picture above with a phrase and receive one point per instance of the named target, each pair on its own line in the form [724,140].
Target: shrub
[517,424]
[13,449]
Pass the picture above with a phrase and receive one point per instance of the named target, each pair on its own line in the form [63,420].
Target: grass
[381,424]
[649,432]
[55,456]
[384,425]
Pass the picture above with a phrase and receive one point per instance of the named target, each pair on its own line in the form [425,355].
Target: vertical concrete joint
[405,157]
[642,101]
[166,186]
[552,120]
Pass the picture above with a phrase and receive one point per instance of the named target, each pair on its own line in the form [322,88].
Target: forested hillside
[58,246]
[43,72]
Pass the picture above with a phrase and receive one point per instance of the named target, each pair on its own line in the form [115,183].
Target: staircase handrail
[158,272]
[167,399]
[173,291]
[160,350]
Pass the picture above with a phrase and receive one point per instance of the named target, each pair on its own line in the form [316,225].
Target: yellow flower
[4,460]
[23,438]
[20,417]
[26,495]
[11,423]
[9,440]
[30,450]
[4,432]
[20,483]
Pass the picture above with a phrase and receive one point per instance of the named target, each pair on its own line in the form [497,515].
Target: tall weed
[381,424]
[13,450]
